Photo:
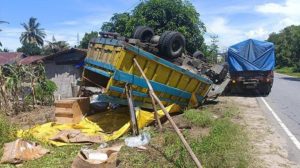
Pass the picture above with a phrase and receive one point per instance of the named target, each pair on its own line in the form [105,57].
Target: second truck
[251,65]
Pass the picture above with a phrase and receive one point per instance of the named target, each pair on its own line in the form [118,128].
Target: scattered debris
[20,150]
[75,136]
[137,141]
[99,158]
[108,125]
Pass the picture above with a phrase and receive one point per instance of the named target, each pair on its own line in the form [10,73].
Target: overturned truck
[109,65]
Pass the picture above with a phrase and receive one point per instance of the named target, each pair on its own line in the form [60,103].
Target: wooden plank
[71,110]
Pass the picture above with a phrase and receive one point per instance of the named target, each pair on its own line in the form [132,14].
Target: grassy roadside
[215,136]
[288,71]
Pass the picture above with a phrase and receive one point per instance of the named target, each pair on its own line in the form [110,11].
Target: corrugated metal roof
[31,59]
[10,57]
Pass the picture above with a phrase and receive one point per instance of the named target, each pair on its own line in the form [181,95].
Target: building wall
[63,76]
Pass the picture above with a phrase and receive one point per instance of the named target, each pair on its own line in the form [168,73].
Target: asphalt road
[284,100]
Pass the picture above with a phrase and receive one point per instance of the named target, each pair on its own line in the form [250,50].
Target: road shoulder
[269,146]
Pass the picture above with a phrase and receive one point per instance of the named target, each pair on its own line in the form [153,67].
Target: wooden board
[71,110]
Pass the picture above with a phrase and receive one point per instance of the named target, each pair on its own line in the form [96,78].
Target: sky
[231,20]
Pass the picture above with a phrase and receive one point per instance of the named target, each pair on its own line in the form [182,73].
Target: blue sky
[231,20]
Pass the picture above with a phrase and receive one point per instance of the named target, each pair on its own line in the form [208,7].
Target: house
[10,57]
[64,68]
[31,59]
[18,57]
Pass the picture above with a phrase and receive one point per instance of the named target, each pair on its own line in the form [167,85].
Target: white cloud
[289,11]
[259,33]
[227,34]
[70,22]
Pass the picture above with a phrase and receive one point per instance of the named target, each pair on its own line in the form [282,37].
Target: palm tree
[33,33]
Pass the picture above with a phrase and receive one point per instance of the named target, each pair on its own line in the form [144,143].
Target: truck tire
[143,33]
[198,55]
[264,89]
[171,44]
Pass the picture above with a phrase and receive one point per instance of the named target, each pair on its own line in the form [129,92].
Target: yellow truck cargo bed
[109,63]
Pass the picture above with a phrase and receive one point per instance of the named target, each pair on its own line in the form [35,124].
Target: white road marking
[287,131]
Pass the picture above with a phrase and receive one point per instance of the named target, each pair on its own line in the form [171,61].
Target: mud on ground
[39,115]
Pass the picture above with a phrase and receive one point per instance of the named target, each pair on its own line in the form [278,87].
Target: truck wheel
[265,89]
[198,55]
[171,44]
[143,33]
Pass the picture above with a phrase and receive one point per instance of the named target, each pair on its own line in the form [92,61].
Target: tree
[33,33]
[287,47]
[84,43]
[213,49]
[162,15]
[30,49]
[4,50]
[55,46]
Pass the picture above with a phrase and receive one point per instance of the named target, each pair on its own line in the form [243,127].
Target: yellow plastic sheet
[108,125]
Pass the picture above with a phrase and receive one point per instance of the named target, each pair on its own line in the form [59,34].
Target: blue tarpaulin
[251,55]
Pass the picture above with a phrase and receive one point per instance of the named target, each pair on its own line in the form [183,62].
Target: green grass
[7,133]
[60,157]
[7,130]
[197,117]
[288,71]
[226,145]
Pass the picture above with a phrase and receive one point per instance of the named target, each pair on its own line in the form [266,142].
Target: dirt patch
[268,145]
[39,115]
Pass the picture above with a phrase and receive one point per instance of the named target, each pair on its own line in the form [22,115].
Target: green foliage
[212,51]
[84,43]
[44,92]
[55,46]
[162,15]
[287,47]
[30,49]
[201,118]
[4,50]
[288,71]
[33,33]
[7,130]
[27,83]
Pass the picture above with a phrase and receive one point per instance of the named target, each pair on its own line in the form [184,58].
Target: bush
[44,92]
[7,131]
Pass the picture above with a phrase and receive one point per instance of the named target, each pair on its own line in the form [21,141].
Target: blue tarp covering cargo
[251,55]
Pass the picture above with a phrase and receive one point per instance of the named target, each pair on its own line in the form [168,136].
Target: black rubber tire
[171,44]
[143,33]
[198,55]
[264,89]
